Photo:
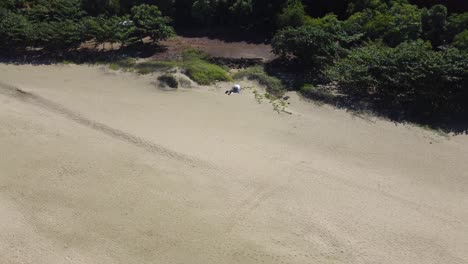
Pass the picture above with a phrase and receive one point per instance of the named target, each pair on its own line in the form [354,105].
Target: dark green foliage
[395,24]
[57,35]
[204,10]
[149,21]
[169,80]
[457,23]
[411,73]
[15,30]
[311,46]
[57,10]
[461,40]
[293,15]
[434,24]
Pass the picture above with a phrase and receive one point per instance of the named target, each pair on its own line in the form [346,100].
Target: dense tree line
[389,51]
[65,24]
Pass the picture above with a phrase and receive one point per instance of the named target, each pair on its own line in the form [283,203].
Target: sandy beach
[105,167]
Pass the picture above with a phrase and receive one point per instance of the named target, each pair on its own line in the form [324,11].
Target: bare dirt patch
[216,48]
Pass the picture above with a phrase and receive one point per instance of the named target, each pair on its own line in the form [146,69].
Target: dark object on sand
[169,80]
[286,98]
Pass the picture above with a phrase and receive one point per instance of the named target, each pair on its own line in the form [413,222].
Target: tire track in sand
[17,93]
[238,213]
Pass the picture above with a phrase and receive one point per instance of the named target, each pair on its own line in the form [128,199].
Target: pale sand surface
[101,167]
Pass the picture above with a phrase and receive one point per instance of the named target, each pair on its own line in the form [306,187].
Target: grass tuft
[205,73]
[152,66]
[195,54]
[124,64]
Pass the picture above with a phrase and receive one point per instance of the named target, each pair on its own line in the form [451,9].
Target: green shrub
[293,15]
[461,40]
[169,80]
[410,75]
[312,46]
[205,73]
[149,21]
[457,23]
[273,84]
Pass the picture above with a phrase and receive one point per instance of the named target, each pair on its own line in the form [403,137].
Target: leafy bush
[149,21]
[58,35]
[273,84]
[457,23]
[461,40]
[311,46]
[411,75]
[169,80]
[15,30]
[293,15]
[396,24]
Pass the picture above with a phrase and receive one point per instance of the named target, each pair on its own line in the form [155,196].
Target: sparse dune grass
[123,64]
[152,66]
[194,62]
[257,73]
[317,93]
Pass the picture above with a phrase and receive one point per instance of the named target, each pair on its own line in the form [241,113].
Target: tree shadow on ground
[226,35]
[402,114]
[293,77]
[78,56]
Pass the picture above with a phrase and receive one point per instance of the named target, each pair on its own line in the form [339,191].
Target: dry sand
[101,167]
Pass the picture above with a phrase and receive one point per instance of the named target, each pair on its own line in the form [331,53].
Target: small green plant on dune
[279,105]
[257,73]
[258,96]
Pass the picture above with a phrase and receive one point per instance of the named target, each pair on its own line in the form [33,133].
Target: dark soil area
[217,48]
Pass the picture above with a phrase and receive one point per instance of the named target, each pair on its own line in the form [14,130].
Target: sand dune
[104,167]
